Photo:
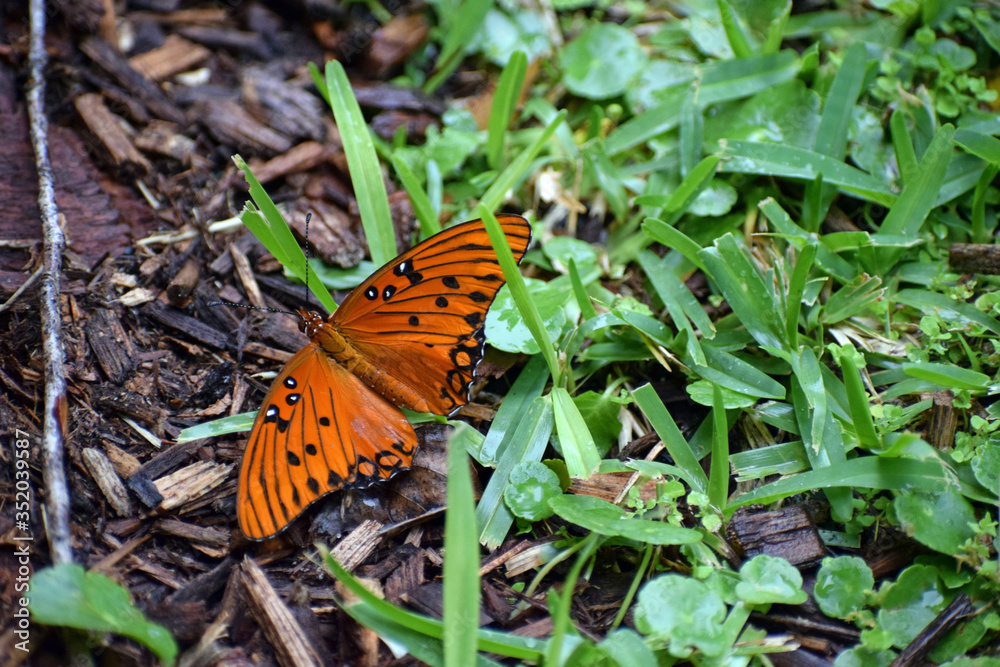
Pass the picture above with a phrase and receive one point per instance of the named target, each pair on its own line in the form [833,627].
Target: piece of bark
[407,577]
[915,652]
[393,43]
[360,543]
[429,599]
[113,348]
[107,481]
[107,127]
[193,533]
[84,15]
[388,96]
[288,108]
[196,329]
[297,293]
[190,483]
[183,283]
[124,463]
[943,423]
[229,123]
[302,157]
[611,485]
[387,123]
[215,37]
[331,232]
[175,55]
[139,86]
[168,459]
[110,397]
[975,258]
[206,584]
[291,646]
[245,273]
[162,137]
[529,558]
[786,533]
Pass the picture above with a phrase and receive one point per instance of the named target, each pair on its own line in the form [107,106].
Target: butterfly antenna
[308,216]
[249,307]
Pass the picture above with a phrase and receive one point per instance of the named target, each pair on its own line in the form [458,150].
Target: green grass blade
[718,478]
[426,649]
[519,166]
[501,643]
[461,26]
[826,259]
[366,176]
[980,231]
[665,427]
[864,472]
[918,197]
[776,31]
[519,292]
[838,107]
[743,285]
[796,286]
[587,310]
[461,564]
[560,613]
[526,442]
[422,207]
[274,233]
[526,388]
[929,301]
[504,100]
[978,144]
[578,448]
[857,398]
[902,144]
[752,157]
[675,239]
[735,34]
[680,303]
[651,123]
[725,80]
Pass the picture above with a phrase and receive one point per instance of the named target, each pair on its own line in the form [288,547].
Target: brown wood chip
[175,55]
[355,548]
[107,480]
[108,128]
[113,348]
[291,646]
[141,88]
[975,258]
[786,533]
[190,483]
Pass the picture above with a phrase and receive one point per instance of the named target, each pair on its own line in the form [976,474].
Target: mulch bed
[141,140]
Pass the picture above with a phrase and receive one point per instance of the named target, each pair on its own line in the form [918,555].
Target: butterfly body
[410,336]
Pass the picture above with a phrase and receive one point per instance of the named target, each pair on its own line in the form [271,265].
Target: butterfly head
[310,321]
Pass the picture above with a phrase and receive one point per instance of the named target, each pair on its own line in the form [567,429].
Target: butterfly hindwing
[420,317]
[319,428]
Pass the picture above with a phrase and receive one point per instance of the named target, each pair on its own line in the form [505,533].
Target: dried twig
[56,414]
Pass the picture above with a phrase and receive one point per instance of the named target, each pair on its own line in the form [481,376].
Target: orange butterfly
[409,336]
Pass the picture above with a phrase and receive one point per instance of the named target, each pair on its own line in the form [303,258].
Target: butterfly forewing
[420,317]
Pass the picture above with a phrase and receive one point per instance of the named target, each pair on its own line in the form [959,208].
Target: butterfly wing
[420,318]
[319,429]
